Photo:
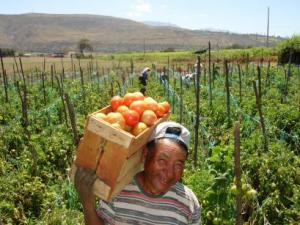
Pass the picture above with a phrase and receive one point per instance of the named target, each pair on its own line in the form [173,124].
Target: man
[144,76]
[143,79]
[155,195]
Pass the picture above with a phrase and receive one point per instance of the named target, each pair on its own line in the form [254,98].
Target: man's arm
[84,180]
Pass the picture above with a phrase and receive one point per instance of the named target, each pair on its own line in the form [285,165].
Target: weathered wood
[209,76]
[240,83]
[238,173]
[61,93]
[262,122]
[227,88]
[72,116]
[197,112]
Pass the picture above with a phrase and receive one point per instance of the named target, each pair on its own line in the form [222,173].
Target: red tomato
[131,117]
[138,106]
[116,101]
[166,105]
[128,98]
[148,117]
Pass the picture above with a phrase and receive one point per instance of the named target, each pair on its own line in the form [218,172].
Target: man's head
[164,157]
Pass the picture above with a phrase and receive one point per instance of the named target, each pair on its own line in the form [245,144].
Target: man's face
[163,166]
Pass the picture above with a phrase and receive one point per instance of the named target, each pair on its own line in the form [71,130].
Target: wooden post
[173,100]
[262,122]
[5,83]
[181,100]
[238,173]
[72,116]
[197,112]
[227,90]
[209,76]
[268,74]
[61,93]
[240,83]
[259,81]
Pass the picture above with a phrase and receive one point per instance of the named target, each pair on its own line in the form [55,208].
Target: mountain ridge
[56,32]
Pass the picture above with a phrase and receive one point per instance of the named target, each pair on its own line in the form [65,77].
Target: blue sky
[248,16]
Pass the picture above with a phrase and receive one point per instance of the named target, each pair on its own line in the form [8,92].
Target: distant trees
[84,44]
[4,52]
[290,51]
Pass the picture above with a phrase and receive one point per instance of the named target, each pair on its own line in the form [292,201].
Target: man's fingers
[85,176]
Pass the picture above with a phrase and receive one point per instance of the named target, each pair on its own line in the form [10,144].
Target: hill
[58,32]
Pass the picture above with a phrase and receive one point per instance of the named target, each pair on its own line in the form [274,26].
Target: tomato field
[244,119]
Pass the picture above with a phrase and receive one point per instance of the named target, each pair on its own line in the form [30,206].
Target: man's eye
[162,162]
[179,166]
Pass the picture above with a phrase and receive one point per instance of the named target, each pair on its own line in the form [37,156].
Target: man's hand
[84,180]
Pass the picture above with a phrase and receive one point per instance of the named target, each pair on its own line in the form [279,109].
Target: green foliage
[34,183]
[289,50]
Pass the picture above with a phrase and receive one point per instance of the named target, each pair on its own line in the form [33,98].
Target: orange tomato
[138,106]
[138,95]
[122,108]
[160,111]
[166,105]
[151,104]
[115,117]
[139,128]
[148,117]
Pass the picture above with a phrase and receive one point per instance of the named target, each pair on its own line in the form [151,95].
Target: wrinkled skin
[163,167]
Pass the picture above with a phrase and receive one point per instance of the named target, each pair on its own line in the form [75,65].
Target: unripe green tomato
[246,187]
[217,221]
[233,189]
[251,193]
[209,215]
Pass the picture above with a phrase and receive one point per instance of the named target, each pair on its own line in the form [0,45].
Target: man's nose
[170,172]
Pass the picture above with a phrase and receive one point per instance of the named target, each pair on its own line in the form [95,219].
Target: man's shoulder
[184,192]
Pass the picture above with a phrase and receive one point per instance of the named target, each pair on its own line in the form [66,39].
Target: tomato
[128,98]
[122,108]
[166,106]
[116,101]
[151,104]
[160,111]
[139,106]
[115,117]
[139,128]
[233,189]
[100,115]
[148,117]
[251,194]
[131,117]
[138,96]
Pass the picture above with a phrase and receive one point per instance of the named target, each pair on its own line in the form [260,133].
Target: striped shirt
[134,206]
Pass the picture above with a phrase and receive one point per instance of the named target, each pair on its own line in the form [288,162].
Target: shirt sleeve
[106,211]
[195,209]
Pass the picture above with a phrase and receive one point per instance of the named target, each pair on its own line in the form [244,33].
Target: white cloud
[163,6]
[139,9]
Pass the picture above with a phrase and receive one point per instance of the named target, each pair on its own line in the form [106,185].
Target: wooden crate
[115,155]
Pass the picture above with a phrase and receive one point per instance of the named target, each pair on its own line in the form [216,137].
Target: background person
[155,195]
